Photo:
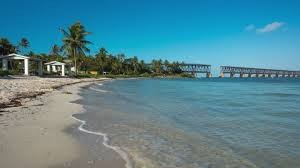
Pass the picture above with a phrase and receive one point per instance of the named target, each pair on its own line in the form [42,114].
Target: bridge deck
[247,70]
[196,68]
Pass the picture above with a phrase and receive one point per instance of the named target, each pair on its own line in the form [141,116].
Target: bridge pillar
[276,75]
[208,75]
[283,75]
[231,75]
[241,75]
[257,75]
[263,76]
[221,75]
[249,75]
[194,74]
[269,75]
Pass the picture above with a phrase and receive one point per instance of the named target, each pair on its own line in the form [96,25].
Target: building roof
[14,56]
[54,63]
[18,57]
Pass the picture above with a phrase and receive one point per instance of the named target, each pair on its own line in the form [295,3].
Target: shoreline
[105,142]
[37,129]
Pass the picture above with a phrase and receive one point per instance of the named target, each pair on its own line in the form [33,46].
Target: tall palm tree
[74,42]
[24,43]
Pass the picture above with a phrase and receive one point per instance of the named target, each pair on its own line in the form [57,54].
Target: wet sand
[42,133]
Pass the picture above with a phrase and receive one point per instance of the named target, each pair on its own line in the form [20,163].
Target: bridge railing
[196,68]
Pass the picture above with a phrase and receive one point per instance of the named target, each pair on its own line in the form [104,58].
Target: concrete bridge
[256,72]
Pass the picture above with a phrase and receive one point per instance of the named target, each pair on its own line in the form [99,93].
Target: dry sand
[35,134]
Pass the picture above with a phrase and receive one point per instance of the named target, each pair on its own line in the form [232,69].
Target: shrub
[4,73]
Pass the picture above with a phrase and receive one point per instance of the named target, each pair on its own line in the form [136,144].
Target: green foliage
[74,47]
[56,53]
[75,43]
[23,44]
[6,73]
[6,47]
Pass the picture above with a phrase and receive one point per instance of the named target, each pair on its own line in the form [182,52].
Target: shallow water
[192,123]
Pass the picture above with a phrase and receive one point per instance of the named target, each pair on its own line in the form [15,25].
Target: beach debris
[28,88]
[66,92]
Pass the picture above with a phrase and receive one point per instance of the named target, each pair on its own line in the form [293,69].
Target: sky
[250,33]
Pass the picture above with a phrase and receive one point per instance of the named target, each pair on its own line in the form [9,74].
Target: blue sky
[253,33]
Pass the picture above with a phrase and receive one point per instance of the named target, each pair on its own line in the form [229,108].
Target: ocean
[197,123]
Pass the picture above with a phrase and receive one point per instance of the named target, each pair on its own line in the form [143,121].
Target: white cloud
[250,27]
[270,27]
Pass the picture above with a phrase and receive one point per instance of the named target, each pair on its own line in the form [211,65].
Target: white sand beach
[34,135]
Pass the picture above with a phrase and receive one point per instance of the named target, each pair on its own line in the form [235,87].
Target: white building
[56,66]
[11,57]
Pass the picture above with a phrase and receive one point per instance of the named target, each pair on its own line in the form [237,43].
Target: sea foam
[117,149]
[98,90]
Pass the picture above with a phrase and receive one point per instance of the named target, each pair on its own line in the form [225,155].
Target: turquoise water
[192,123]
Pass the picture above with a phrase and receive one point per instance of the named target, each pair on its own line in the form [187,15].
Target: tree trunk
[75,61]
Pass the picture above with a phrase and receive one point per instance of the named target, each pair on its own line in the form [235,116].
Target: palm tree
[175,67]
[115,66]
[143,67]
[166,66]
[135,64]
[101,59]
[120,60]
[74,42]
[24,43]
[87,63]
[6,47]
[55,52]
[157,65]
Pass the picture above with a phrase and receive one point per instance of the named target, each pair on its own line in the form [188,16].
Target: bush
[4,73]
[10,72]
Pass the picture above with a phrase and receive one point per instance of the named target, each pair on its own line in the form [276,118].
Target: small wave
[281,94]
[98,90]
[276,94]
[117,149]
[100,84]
